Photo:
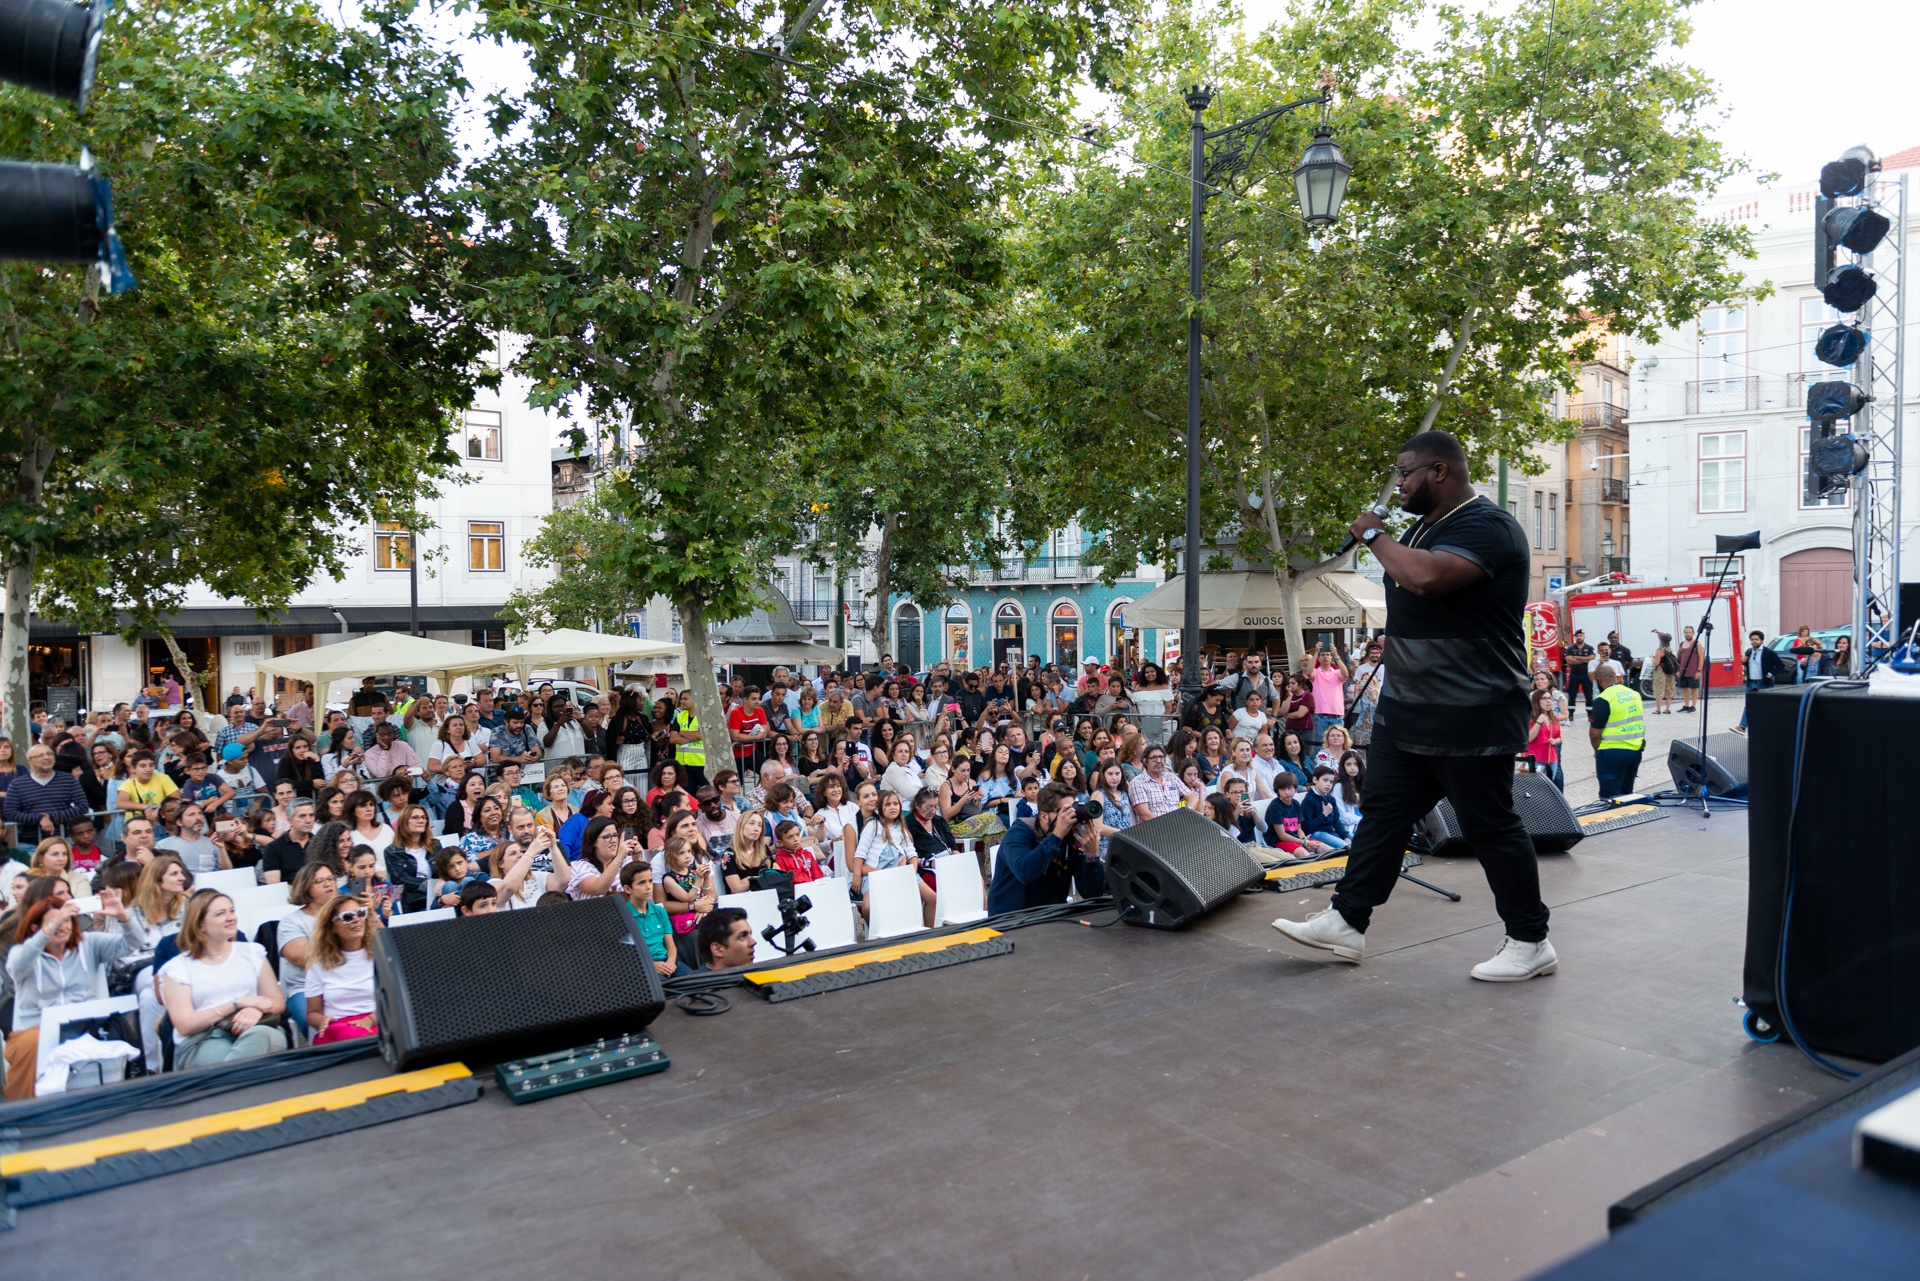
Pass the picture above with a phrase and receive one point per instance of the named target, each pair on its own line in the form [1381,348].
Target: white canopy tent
[1250,601]
[571,647]
[776,653]
[382,654]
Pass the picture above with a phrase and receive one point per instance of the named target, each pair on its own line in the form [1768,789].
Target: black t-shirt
[1456,682]
[284,857]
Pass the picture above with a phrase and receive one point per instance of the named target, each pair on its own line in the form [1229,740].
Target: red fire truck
[1637,610]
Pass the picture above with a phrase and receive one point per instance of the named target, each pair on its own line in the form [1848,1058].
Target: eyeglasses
[1404,472]
[351,915]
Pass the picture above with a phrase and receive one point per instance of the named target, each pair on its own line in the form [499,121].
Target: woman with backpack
[1664,667]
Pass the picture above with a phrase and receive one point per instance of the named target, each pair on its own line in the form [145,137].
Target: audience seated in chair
[219,993]
[56,963]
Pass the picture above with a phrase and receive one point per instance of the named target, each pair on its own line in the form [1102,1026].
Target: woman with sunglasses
[340,1005]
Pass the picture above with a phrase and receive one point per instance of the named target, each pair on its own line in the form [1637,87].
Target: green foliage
[703,244]
[1521,178]
[578,548]
[289,365]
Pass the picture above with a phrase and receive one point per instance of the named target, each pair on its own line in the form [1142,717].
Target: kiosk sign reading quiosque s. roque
[1348,618]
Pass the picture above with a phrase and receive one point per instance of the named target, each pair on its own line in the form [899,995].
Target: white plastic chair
[226,879]
[830,919]
[763,909]
[54,1017]
[959,896]
[255,905]
[893,896]
[421,918]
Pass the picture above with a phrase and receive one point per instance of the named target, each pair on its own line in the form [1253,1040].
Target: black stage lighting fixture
[1840,455]
[1860,228]
[1840,345]
[1733,544]
[1828,401]
[51,46]
[1847,176]
[1849,288]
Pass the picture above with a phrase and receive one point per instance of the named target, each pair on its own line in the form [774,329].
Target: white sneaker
[1327,931]
[1516,961]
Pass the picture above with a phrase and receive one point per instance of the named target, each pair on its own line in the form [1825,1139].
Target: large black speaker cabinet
[1172,870]
[1724,770]
[510,984]
[1541,806]
[1852,946]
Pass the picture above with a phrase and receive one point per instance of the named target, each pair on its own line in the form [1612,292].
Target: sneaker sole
[1322,950]
[1549,968]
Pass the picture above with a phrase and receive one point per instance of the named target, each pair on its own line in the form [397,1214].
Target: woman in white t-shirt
[340,972]
[220,992]
[1250,720]
[1240,765]
[903,771]
[836,822]
[453,741]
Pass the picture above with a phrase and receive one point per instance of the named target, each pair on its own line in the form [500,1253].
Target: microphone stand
[1704,645]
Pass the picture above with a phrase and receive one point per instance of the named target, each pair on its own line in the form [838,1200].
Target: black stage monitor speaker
[1725,769]
[1172,870]
[1853,953]
[1541,805]
[509,984]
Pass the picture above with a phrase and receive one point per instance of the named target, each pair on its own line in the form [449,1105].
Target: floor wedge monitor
[1170,871]
[1541,805]
[511,984]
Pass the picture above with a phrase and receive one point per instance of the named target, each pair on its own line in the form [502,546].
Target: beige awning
[1250,601]
[382,654]
[571,647]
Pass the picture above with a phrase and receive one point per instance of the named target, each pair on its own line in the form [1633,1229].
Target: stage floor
[1112,1103]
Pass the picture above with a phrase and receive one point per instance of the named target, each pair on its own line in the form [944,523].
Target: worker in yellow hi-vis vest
[690,749]
[1618,731]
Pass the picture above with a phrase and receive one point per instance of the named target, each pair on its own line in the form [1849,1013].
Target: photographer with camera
[1037,860]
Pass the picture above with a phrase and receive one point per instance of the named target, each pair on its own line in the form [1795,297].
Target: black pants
[1579,678]
[1614,769]
[1401,788]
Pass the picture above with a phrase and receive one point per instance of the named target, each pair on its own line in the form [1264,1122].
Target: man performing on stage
[1452,712]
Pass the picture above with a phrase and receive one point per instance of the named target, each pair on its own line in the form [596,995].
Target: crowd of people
[508,799]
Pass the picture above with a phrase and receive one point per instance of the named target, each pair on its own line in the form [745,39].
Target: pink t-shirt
[1328,697]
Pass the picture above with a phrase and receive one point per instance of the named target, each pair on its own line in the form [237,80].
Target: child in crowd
[479,899]
[636,881]
[1285,822]
[198,788]
[792,856]
[455,871]
[1543,748]
[1319,814]
[86,854]
[686,890]
[1029,803]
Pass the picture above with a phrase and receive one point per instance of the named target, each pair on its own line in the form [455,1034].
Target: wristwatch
[1371,534]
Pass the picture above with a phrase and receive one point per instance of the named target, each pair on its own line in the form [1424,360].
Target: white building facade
[1719,433]
[469,556]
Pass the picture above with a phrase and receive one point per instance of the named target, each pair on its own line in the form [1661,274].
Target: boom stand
[1705,646]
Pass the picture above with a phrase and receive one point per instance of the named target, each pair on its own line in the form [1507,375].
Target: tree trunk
[881,625]
[29,482]
[1289,585]
[706,690]
[13,652]
[193,682]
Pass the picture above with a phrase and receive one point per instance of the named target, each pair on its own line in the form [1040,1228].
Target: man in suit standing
[1762,666]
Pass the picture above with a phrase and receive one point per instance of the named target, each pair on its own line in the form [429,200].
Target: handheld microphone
[1379,509]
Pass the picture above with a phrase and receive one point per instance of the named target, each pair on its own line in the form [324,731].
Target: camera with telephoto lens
[1087,811]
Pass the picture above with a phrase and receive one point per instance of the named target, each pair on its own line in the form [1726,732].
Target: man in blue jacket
[1035,863]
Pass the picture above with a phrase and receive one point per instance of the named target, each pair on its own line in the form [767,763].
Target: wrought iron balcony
[1723,395]
[1614,490]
